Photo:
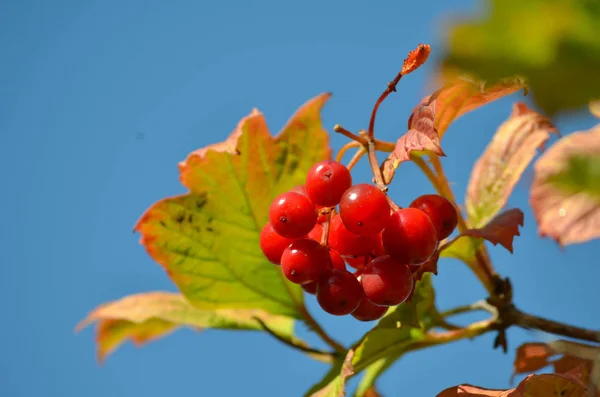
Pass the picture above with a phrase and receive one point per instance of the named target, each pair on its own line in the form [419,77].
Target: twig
[357,156]
[292,344]
[391,87]
[345,148]
[341,130]
[372,156]
[316,327]
[481,305]
[528,321]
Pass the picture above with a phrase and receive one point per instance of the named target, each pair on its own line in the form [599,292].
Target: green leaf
[147,316]
[333,384]
[501,165]
[401,328]
[565,194]
[464,248]
[554,44]
[208,240]
[373,372]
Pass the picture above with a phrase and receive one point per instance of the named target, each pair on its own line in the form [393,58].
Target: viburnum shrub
[271,221]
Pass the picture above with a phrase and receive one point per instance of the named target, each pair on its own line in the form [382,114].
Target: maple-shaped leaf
[498,170]
[334,383]
[208,240]
[554,44]
[533,386]
[565,194]
[147,316]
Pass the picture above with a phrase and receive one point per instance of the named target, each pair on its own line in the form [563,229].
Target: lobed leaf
[208,240]
[500,167]
[565,195]
[553,43]
[148,316]
[500,230]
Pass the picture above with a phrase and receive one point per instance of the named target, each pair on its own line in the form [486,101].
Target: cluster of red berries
[384,245]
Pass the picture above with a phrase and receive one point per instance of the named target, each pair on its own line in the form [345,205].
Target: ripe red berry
[440,210]
[272,244]
[316,233]
[357,262]
[326,182]
[310,288]
[339,292]
[292,215]
[410,236]
[386,282]
[350,244]
[364,209]
[368,311]
[337,261]
[304,261]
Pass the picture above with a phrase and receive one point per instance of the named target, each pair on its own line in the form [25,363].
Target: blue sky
[99,100]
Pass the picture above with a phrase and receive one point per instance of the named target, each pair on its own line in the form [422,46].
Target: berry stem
[482,268]
[372,156]
[345,148]
[325,237]
[317,354]
[341,130]
[356,158]
[316,327]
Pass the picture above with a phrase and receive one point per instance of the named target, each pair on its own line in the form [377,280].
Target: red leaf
[532,357]
[416,58]
[500,230]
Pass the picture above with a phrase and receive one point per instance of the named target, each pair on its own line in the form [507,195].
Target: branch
[481,305]
[314,325]
[516,317]
[295,345]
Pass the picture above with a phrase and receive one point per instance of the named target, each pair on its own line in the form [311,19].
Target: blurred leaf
[208,240]
[553,43]
[533,386]
[595,108]
[498,170]
[532,357]
[463,94]
[374,371]
[463,248]
[565,195]
[147,316]
[333,385]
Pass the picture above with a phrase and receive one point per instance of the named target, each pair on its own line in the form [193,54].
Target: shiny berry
[386,282]
[292,215]
[326,182]
[350,244]
[272,244]
[364,209]
[339,292]
[410,236]
[337,262]
[303,261]
[368,311]
[440,210]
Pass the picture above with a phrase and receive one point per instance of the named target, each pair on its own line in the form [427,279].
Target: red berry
[357,262]
[350,244]
[364,209]
[326,182]
[339,292]
[386,282]
[304,261]
[410,236]
[292,215]
[440,210]
[368,311]
[337,261]
[316,233]
[272,244]
[310,288]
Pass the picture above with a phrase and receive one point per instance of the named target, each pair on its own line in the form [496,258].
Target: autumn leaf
[148,316]
[533,385]
[333,385]
[565,194]
[463,94]
[421,136]
[532,357]
[552,43]
[500,230]
[595,108]
[208,240]
[498,170]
